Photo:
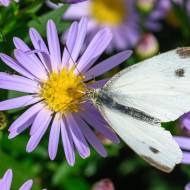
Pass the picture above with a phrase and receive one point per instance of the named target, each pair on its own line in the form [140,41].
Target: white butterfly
[136,100]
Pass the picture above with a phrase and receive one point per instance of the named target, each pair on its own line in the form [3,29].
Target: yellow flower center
[64,91]
[111,12]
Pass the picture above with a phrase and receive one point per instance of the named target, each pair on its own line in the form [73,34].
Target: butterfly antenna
[74,63]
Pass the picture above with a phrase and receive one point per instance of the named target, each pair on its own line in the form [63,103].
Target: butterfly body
[139,98]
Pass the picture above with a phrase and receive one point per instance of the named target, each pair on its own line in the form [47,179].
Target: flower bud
[145,5]
[147,46]
[104,184]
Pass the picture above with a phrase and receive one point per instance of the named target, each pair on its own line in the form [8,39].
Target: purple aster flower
[6,3]
[184,144]
[5,182]
[57,86]
[187,187]
[121,16]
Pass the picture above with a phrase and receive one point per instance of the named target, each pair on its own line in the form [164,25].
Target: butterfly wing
[152,142]
[159,86]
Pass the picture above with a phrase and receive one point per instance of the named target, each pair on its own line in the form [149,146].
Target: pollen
[64,91]
[111,12]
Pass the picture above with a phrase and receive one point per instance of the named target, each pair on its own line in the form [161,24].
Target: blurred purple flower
[6,2]
[5,182]
[121,16]
[57,87]
[185,4]
[184,144]
[187,187]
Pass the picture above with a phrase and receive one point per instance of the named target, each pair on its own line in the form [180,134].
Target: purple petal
[95,49]
[26,116]
[41,129]
[107,65]
[7,180]
[53,44]
[67,143]
[27,185]
[78,138]
[186,123]
[82,27]
[39,44]
[15,65]
[186,158]
[30,64]
[91,137]
[70,42]
[16,131]
[18,102]
[93,118]
[41,118]
[98,84]
[54,136]
[20,45]
[183,142]
[187,187]
[17,83]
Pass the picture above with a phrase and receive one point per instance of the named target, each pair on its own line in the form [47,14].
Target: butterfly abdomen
[107,100]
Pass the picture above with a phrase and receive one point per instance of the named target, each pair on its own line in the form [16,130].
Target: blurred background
[123,167]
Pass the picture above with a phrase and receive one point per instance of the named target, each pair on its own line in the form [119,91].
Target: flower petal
[82,27]
[53,44]
[67,143]
[27,185]
[54,136]
[70,42]
[98,44]
[107,64]
[78,138]
[16,131]
[39,44]
[15,65]
[41,118]
[94,119]
[42,127]
[17,83]
[26,116]
[98,84]
[22,46]
[183,142]
[7,180]
[77,11]
[18,102]
[91,137]
[30,64]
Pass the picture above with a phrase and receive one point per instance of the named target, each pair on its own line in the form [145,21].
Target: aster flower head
[187,187]
[57,87]
[5,182]
[184,141]
[6,2]
[121,16]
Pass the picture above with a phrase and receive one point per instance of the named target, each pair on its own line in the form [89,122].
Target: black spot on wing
[154,150]
[180,72]
[183,52]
